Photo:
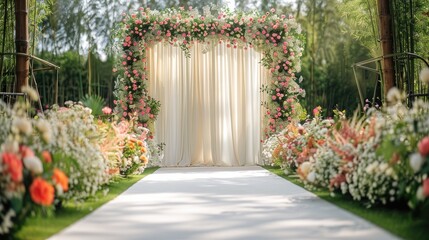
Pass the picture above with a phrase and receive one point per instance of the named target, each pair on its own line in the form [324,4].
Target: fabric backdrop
[210,104]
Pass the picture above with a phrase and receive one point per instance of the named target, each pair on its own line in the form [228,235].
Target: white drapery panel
[210,104]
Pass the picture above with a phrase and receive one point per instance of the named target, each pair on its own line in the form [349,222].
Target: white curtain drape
[210,113]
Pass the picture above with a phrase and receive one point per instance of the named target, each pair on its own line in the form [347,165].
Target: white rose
[416,161]
[33,164]
[424,76]
[311,177]
[23,125]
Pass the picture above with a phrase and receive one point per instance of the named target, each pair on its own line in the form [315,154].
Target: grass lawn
[44,227]
[398,221]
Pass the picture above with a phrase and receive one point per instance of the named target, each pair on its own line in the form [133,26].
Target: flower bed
[62,155]
[381,158]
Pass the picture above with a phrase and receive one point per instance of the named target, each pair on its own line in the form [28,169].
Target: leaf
[16,204]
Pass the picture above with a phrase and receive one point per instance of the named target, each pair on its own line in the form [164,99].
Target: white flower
[32,94]
[43,126]
[424,76]
[383,167]
[311,177]
[33,164]
[394,96]
[88,110]
[416,161]
[47,136]
[419,194]
[60,190]
[371,167]
[286,171]
[7,221]
[23,125]
[305,168]
[390,172]
[10,146]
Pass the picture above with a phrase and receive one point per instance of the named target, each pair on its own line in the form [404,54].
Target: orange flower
[60,178]
[46,155]
[42,192]
[140,143]
[143,149]
[144,159]
[13,166]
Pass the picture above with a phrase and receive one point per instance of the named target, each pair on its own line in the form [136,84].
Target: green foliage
[330,51]
[361,22]
[95,103]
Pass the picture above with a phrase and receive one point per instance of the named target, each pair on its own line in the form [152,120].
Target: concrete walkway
[219,203]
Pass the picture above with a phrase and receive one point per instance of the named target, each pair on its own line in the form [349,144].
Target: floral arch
[277,37]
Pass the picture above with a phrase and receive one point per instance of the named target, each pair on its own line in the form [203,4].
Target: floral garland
[277,37]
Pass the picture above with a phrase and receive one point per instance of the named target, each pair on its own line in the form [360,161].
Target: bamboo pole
[21,43]
[386,39]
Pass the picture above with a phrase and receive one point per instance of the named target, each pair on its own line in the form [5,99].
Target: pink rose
[106,110]
[26,152]
[424,146]
[426,187]
[316,111]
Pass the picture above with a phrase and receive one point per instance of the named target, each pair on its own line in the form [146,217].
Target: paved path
[219,203]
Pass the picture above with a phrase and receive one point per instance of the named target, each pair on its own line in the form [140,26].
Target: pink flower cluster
[276,36]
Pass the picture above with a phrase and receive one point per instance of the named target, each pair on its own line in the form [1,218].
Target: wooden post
[21,43]
[386,39]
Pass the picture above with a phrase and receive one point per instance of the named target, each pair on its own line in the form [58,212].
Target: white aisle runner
[219,203]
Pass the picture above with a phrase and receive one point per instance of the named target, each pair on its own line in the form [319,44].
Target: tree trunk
[386,39]
[21,43]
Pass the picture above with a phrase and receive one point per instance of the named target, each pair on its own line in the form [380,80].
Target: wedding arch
[277,37]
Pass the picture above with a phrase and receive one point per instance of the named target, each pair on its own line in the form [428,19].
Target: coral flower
[42,192]
[424,146]
[13,166]
[61,179]
[46,156]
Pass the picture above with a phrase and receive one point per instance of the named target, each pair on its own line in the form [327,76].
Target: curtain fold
[210,104]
